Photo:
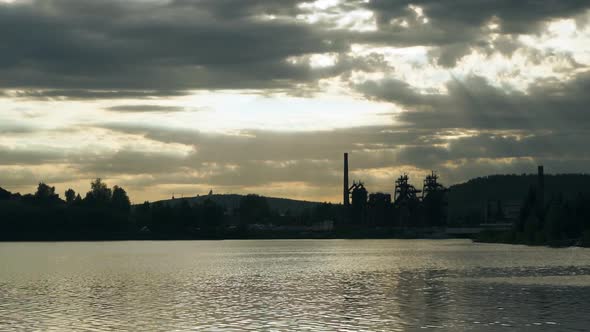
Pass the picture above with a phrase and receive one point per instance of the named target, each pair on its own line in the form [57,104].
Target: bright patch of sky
[209,112]
[332,13]
[564,36]
[230,111]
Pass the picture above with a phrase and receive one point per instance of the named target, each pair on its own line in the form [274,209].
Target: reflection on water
[389,285]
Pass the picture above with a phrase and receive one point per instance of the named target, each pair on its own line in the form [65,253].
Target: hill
[232,201]
[5,194]
[470,197]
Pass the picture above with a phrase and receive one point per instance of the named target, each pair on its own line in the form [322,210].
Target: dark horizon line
[312,201]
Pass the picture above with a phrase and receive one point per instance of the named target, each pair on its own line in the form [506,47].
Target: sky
[179,97]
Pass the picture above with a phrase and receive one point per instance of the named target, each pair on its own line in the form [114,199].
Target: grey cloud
[467,169]
[29,156]
[372,147]
[83,49]
[458,26]
[81,94]
[260,173]
[15,127]
[499,146]
[129,161]
[113,49]
[515,16]
[28,177]
[17,178]
[259,145]
[257,157]
[145,108]
[204,169]
[254,157]
[260,158]
[71,46]
[241,9]
[474,103]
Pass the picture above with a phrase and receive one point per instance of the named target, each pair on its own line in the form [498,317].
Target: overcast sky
[264,96]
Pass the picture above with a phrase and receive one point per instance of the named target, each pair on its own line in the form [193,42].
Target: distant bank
[497,208]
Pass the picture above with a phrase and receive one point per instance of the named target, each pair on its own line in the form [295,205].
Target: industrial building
[410,207]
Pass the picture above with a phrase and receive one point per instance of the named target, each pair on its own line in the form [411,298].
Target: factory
[410,206]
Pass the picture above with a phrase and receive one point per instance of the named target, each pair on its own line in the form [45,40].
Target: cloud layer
[111,89]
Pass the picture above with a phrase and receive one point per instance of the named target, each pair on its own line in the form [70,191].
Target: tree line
[558,221]
[105,213]
[44,215]
[466,199]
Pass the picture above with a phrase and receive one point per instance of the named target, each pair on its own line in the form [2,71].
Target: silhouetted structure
[377,199]
[540,188]
[406,202]
[404,192]
[380,210]
[431,185]
[408,209]
[434,202]
[345,189]
[359,202]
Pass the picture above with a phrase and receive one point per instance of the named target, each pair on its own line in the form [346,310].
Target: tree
[70,195]
[554,221]
[162,220]
[434,208]
[184,216]
[5,194]
[253,209]
[499,210]
[99,193]
[45,192]
[144,214]
[527,209]
[531,228]
[210,215]
[582,211]
[120,200]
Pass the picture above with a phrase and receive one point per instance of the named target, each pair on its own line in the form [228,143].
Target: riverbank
[539,239]
[233,234]
[487,236]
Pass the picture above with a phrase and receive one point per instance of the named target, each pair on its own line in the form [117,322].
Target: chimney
[346,199]
[540,187]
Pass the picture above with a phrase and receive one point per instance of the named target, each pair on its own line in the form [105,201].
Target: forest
[467,199]
[558,221]
[106,214]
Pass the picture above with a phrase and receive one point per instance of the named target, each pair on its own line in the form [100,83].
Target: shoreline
[491,237]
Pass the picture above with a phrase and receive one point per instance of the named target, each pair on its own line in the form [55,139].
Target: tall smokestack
[540,187]
[346,199]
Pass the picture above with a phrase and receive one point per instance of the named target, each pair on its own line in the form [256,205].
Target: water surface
[354,285]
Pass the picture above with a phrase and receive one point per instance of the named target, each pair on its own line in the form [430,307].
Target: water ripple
[291,285]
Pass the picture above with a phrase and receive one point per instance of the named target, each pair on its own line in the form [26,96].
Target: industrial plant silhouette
[410,207]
